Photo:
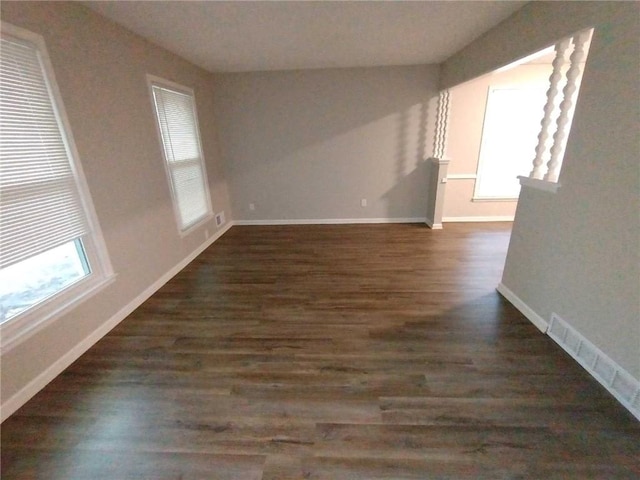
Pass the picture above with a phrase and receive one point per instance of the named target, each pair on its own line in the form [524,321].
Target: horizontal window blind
[180,141]
[40,205]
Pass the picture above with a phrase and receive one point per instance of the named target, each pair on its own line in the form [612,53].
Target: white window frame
[20,327]
[152,81]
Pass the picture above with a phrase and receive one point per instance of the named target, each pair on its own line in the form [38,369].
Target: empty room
[292,240]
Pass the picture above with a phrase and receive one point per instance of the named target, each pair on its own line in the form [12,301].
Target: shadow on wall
[286,112]
[412,166]
[312,144]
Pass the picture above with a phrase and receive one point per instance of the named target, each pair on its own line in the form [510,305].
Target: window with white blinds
[178,128]
[41,205]
[51,250]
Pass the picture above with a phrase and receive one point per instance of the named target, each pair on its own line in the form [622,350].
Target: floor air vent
[622,385]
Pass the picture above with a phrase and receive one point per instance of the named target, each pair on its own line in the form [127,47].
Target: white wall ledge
[462,176]
[479,218]
[537,184]
[494,199]
[439,161]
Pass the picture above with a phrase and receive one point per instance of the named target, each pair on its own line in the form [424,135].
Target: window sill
[24,325]
[537,184]
[200,223]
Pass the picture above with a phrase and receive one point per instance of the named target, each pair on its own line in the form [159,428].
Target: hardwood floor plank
[327,352]
[526,411]
[79,464]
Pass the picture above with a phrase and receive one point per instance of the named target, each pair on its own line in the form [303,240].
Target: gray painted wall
[577,252]
[311,144]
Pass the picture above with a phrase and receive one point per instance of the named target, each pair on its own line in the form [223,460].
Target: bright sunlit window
[509,138]
[25,284]
[51,251]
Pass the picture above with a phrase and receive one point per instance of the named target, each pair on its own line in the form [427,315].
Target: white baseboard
[331,221]
[624,387]
[527,311]
[432,225]
[496,218]
[34,386]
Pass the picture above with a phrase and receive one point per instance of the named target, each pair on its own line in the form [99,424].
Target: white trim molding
[497,218]
[432,225]
[34,386]
[494,199]
[624,387]
[331,221]
[462,176]
[525,309]
[537,184]
[20,329]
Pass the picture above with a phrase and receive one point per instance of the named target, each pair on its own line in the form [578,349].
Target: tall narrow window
[178,129]
[51,249]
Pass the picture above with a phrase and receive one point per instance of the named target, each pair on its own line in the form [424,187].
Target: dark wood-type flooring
[327,352]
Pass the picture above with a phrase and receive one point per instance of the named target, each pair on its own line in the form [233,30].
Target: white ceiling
[272,35]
